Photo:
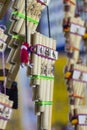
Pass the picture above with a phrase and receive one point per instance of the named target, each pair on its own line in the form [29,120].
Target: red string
[41,2]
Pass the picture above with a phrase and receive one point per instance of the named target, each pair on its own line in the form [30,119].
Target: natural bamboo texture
[71,5]
[6,110]
[75,34]
[81,111]
[77,82]
[79,92]
[43,88]
[3,38]
[33,12]
[14,59]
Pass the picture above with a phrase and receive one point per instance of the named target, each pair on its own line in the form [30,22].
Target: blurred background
[24,118]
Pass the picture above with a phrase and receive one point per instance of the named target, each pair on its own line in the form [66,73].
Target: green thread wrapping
[23,16]
[44,103]
[42,77]
[17,37]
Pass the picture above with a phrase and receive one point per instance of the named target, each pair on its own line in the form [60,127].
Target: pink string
[3,66]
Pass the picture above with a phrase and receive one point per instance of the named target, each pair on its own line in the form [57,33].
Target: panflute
[18,16]
[5,110]
[79,117]
[75,70]
[43,58]
[17,32]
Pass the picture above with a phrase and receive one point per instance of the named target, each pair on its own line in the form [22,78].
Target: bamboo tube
[2,107]
[81,85]
[17,4]
[37,81]
[11,42]
[15,41]
[39,62]
[78,89]
[39,122]
[34,94]
[10,32]
[1,34]
[73,36]
[42,87]
[71,11]
[45,114]
[3,99]
[38,14]
[35,57]
[40,81]
[12,74]
[52,84]
[19,22]
[22,29]
[16,56]
[4,114]
[9,59]
[18,25]
[5,37]
[8,113]
[2,46]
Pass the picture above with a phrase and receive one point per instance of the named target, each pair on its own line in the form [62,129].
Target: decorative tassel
[24,53]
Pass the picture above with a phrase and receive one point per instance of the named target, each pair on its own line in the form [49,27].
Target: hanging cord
[3,66]
[26,33]
[78,9]
[48,17]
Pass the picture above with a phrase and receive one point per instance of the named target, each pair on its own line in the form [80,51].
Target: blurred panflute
[44,55]
[69,8]
[34,11]
[6,110]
